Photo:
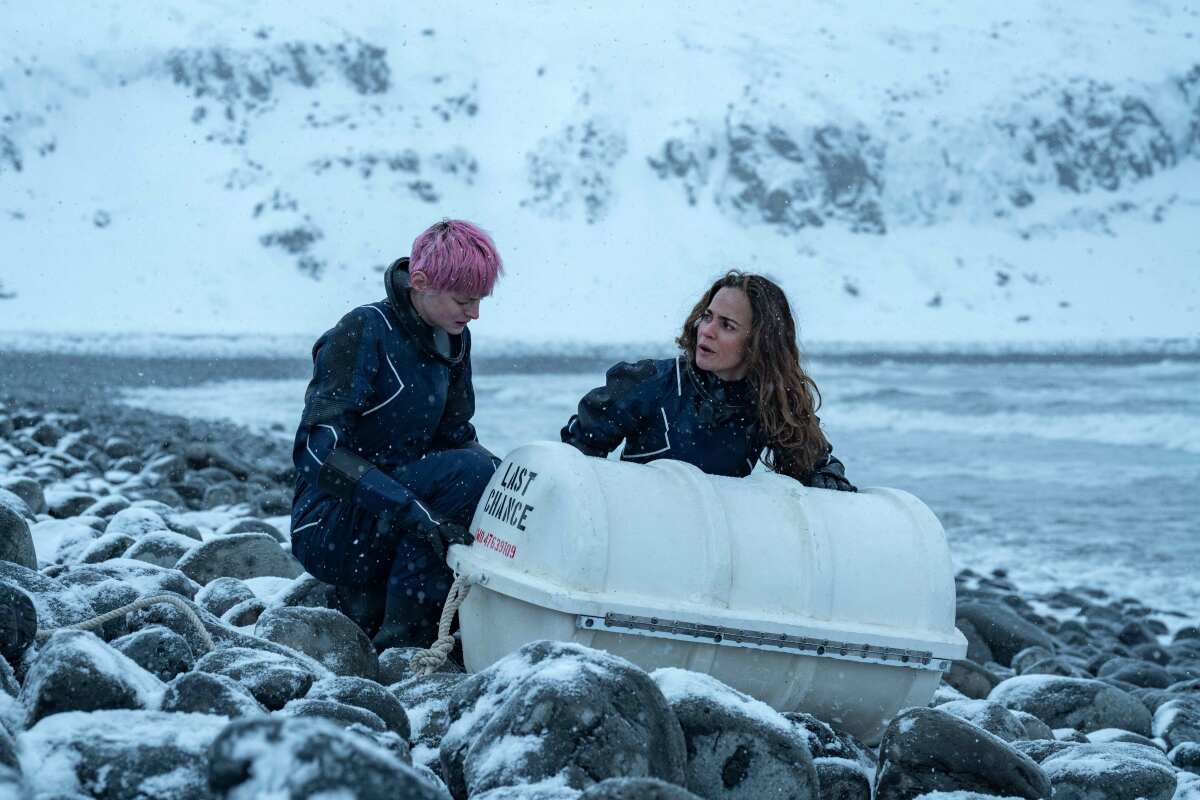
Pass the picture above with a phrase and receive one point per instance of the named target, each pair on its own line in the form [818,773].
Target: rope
[174,600]
[424,662]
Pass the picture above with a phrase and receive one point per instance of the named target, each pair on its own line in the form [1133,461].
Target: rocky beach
[1073,693]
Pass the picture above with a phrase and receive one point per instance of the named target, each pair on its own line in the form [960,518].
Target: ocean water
[1084,471]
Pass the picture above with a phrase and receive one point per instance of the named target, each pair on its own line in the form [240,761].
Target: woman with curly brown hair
[734,394]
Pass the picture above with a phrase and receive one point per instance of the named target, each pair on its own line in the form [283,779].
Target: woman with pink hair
[388,467]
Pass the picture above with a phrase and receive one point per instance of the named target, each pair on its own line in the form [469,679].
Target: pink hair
[457,256]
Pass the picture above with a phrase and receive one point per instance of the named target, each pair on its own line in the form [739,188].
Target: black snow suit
[394,397]
[669,408]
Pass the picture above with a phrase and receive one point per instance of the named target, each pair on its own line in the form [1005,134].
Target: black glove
[830,480]
[440,535]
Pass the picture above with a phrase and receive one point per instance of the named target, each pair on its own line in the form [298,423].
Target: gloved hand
[831,480]
[440,535]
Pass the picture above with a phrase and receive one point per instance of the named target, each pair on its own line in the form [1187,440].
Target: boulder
[16,542]
[327,635]
[8,679]
[62,540]
[242,555]
[843,780]
[1040,749]
[162,548]
[1005,632]
[1113,771]
[395,665]
[367,695]
[1117,735]
[1034,727]
[57,604]
[309,592]
[158,650]
[207,693]
[1178,721]
[1080,703]
[105,547]
[114,755]
[272,678]
[65,503]
[989,715]
[824,742]
[222,594]
[927,750]
[1137,672]
[559,709]
[340,714]
[250,525]
[77,671]
[304,757]
[635,789]
[969,678]
[245,613]
[106,507]
[737,747]
[16,504]
[1186,756]
[30,491]
[144,578]
[426,701]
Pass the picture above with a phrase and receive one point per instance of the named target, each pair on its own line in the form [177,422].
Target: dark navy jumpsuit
[669,408]
[396,393]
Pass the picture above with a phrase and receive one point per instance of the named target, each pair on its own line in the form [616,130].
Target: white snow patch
[680,684]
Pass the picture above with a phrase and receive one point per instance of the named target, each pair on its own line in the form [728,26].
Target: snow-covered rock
[989,715]
[272,678]
[240,555]
[1080,703]
[158,650]
[1004,631]
[926,750]
[737,747]
[327,635]
[426,702]
[209,693]
[16,542]
[364,694]
[222,594]
[77,671]
[1114,770]
[1178,721]
[304,757]
[163,548]
[557,709]
[121,754]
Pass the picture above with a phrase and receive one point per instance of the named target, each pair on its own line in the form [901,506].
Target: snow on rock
[738,747]
[557,709]
[324,634]
[240,555]
[1078,703]
[926,750]
[61,541]
[77,671]
[57,604]
[120,754]
[209,693]
[272,678]
[364,694]
[162,548]
[1116,770]
[989,715]
[642,789]
[137,522]
[16,541]
[160,651]
[426,701]
[302,757]
[1178,721]
[222,594]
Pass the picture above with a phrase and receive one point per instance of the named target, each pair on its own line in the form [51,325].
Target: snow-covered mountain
[915,172]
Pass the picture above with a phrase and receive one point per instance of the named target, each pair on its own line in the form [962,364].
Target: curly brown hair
[787,399]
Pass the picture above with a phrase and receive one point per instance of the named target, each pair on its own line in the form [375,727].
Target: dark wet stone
[302,757]
[327,635]
[208,693]
[978,651]
[1057,665]
[1087,705]
[161,652]
[1136,672]
[824,742]
[242,555]
[989,715]
[1028,656]
[1114,771]
[30,491]
[341,714]
[1186,756]
[16,542]
[1034,727]
[395,665]
[926,750]
[65,504]
[222,594]
[115,755]
[364,694]
[272,678]
[57,604]
[77,671]
[1005,632]
[973,680]
[548,692]
[1117,735]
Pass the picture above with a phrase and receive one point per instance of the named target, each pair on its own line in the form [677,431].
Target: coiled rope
[137,605]
[425,662]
